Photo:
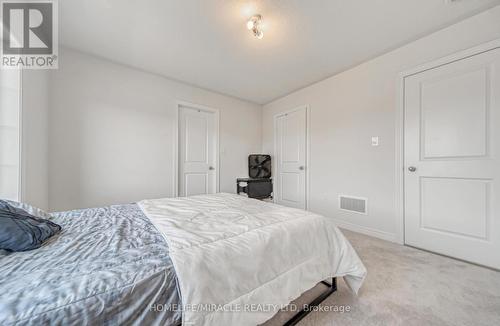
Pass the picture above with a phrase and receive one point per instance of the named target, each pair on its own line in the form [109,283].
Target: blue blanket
[107,266]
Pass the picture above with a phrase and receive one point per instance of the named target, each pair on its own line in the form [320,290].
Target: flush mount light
[253,24]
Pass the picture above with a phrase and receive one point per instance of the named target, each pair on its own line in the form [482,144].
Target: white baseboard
[366,230]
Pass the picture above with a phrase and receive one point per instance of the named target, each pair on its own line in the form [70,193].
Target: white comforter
[239,260]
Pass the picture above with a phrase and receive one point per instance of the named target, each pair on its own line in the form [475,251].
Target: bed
[201,260]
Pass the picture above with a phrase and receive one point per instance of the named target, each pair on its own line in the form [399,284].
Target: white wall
[35,154]
[349,108]
[112,128]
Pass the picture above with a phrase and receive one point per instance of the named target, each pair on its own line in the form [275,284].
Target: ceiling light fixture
[253,24]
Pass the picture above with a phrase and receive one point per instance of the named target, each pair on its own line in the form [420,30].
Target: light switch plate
[375,141]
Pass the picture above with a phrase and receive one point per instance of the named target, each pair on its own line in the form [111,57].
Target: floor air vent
[353,204]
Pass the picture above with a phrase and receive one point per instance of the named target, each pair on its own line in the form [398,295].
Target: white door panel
[455,206]
[452,138]
[196,135]
[291,160]
[454,115]
[197,152]
[196,184]
[290,187]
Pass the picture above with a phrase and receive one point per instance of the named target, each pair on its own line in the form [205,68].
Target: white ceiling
[206,43]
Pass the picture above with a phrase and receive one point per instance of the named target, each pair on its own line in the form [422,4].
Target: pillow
[21,231]
[27,208]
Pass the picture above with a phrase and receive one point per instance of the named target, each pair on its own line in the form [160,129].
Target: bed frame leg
[332,287]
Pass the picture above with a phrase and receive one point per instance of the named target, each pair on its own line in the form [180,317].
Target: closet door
[291,141]
[10,131]
[197,152]
[452,159]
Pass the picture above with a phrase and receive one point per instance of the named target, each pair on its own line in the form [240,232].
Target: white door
[197,152]
[291,135]
[452,159]
[10,131]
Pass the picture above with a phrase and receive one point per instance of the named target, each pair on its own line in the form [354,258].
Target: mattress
[232,254]
[115,265]
[108,266]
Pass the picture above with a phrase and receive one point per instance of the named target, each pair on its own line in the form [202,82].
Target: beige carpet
[407,286]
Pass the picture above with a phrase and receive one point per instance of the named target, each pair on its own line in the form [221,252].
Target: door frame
[308,149]
[400,122]
[178,105]
[21,191]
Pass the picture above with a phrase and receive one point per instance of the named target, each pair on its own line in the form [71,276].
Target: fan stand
[252,183]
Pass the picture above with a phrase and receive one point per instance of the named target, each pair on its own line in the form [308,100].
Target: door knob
[301,168]
[211,168]
[412,169]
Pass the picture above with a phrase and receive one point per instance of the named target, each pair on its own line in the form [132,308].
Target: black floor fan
[259,184]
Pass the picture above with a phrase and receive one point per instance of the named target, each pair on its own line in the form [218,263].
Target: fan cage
[259,166]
